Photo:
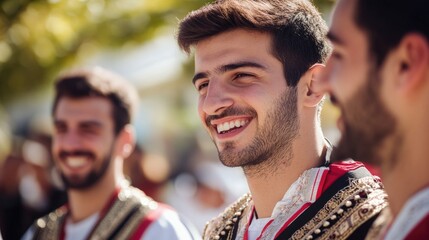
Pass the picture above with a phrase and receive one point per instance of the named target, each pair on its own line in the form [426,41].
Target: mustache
[232,111]
[77,153]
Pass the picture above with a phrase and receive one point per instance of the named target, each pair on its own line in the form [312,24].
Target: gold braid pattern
[131,206]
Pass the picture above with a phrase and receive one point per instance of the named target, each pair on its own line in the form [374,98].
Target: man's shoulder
[48,226]
[136,198]
[143,206]
[351,200]
[226,221]
[152,218]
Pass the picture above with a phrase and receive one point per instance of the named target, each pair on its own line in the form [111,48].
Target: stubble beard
[88,181]
[369,127]
[272,145]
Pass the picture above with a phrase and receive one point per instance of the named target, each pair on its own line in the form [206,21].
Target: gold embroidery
[346,211]
[222,226]
[49,230]
[129,199]
[380,225]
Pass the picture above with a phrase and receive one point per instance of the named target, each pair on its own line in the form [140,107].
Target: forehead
[343,29]
[233,45]
[83,109]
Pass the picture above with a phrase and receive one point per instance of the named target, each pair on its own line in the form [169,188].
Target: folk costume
[412,222]
[129,214]
[335,201]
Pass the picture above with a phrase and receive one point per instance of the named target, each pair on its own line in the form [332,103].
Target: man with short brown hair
[93,134]
[378,75]
[255,67]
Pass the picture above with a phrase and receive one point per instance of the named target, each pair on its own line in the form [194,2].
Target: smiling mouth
[231,125]
[76,162]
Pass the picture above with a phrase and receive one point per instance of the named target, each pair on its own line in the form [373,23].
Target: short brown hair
[99,82]
[386,22]
[297,29]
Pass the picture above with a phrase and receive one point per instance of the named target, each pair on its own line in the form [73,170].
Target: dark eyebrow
[334,38]
[198,76]
[232,66]
[89,123]
[229,67]
[58,122]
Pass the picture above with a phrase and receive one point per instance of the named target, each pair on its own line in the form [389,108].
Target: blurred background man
[378,75]
[92,114]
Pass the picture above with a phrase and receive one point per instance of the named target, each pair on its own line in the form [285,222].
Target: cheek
[389,91]
[349,82]
[339,77]
[56,144]
[54,150]
[200,110]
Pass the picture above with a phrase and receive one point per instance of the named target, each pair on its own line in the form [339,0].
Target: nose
[69,141]
[216,99]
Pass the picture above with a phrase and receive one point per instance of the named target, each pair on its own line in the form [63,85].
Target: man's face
[244,102]
[355,86]
[83,140]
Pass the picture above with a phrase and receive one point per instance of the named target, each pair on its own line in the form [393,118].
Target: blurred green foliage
[38,38]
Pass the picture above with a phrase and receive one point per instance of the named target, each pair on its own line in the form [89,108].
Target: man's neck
[409,173]
[84,203]
[269,187]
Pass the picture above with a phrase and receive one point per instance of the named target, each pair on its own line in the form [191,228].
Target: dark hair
[386,22]
[297,29]
[99,82]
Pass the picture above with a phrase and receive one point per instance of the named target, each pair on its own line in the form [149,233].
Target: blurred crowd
[30,187]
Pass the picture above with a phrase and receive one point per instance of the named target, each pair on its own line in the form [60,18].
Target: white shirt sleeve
[170,226]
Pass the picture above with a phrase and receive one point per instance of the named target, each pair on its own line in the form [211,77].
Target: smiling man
[378,75]
[255,67]
[92,114]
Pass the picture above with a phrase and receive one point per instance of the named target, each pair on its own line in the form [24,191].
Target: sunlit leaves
[38,38]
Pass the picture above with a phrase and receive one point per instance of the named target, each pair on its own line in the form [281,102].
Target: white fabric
[168,226]
[303,190]
[81,229]
[256,227]
[414,210]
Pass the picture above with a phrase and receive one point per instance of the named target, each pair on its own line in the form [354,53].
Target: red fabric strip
[148,220]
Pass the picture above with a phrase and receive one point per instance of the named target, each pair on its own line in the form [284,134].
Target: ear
[314,90]
[413,53]
[126,141]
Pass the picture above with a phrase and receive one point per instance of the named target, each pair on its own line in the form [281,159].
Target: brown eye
[202,86]
[241,75]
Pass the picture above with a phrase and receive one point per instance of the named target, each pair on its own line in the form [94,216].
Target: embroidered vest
[123,218]
[345,210]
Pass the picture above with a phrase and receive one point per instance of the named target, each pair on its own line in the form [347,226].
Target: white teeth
[237,123]
[76,161]
[220,128]
[223,127]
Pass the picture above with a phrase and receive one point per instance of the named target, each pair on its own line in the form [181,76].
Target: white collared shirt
[304,191]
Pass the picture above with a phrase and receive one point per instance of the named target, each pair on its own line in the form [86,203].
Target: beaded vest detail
[124,216]
[337,214]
